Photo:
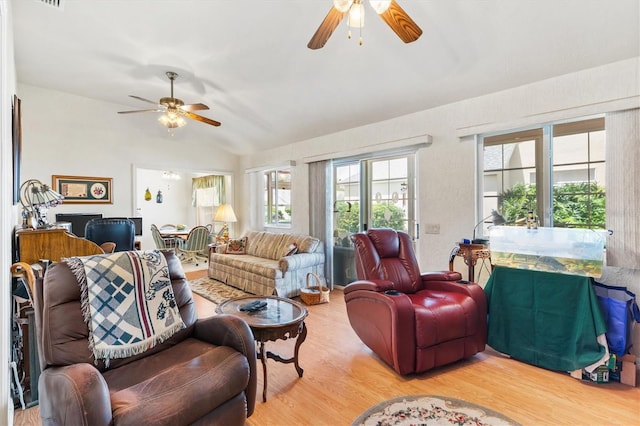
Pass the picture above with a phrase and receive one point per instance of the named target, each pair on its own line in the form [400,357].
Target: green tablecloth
[545,319]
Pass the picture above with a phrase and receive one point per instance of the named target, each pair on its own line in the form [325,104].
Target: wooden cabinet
[52,244]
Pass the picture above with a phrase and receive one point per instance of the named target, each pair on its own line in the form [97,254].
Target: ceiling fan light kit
[172,119]
[174,109]
[389,10]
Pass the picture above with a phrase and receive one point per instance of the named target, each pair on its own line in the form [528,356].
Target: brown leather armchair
[203,374]
[412,321]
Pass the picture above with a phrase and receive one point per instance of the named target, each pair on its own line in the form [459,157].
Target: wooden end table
[470,253]
[281,319]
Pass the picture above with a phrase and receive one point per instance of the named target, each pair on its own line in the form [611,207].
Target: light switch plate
[432,228]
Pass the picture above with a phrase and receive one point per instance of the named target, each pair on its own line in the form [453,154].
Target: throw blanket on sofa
[127,302]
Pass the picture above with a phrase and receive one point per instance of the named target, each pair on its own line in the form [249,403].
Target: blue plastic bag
[619,309]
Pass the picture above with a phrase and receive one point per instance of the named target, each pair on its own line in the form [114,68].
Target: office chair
[119,231]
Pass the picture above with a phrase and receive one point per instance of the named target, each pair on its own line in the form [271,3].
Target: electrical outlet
[432,228]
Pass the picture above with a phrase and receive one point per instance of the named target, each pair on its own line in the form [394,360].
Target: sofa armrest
[300,261]
[76,395]
[232,331]
[368,285]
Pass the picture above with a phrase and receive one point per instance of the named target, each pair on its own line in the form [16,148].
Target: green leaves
[575,205]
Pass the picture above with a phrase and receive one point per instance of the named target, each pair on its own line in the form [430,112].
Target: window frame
[271,197]
[543,136]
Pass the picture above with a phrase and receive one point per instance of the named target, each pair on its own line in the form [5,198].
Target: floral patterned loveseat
[266,263]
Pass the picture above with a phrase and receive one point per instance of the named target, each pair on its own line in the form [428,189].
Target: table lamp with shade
[225,215]
[36,198]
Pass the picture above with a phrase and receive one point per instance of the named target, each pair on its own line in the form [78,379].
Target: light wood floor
[342,378]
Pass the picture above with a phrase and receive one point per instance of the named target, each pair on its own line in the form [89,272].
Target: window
[208,194]
[277,197]
[370,193]
[374,193]
[556,171]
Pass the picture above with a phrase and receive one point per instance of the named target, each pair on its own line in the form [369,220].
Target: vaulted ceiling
[248,59]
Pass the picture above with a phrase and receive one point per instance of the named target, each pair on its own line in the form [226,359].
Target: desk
[470,253]
[52,244]
[543,318]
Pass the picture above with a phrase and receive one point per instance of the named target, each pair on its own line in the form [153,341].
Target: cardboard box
[628,372]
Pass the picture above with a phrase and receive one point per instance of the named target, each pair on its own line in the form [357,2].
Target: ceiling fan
[389,11]
[174,109]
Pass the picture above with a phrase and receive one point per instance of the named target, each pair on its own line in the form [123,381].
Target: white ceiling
[248,60]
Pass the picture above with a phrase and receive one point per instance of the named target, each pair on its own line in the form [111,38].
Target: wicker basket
[314,294]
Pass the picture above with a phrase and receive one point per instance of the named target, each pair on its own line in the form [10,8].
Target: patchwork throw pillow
[291,249]
[237,246]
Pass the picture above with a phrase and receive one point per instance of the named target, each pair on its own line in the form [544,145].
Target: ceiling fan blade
[401,23]
[201,118]
[194,107]
[143,99]
[140,110]
[326,28]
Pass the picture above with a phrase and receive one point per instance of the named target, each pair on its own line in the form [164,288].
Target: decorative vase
[159,197]
[147,195]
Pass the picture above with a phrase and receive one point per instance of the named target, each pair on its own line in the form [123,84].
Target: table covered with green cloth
[545,319]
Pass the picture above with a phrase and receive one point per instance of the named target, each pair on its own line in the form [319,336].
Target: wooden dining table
[175,233]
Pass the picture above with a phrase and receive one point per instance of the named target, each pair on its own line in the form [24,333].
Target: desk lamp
[225,215]
[36,198]
[496,219]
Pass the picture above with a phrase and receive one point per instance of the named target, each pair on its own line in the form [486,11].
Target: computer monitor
[77,221]
[137,222]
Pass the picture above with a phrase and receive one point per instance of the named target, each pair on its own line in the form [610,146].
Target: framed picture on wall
[16,146]
[84,189]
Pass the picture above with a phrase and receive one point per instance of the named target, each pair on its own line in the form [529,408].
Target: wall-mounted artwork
[84,189]
[17,148]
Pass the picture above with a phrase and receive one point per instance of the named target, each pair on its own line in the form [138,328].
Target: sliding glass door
[370,193]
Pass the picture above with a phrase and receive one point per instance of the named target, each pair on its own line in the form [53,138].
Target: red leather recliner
[413,321]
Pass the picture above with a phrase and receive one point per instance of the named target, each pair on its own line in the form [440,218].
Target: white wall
[175,207]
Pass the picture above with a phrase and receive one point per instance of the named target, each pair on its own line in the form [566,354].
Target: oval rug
[430,410]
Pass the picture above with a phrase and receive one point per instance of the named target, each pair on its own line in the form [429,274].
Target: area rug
[215,291]
[430,410]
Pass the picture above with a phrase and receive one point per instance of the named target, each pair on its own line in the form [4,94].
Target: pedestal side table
[470,253]
[280,319]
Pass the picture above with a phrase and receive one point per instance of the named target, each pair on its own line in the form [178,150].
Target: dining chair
[195,245]
[162,243]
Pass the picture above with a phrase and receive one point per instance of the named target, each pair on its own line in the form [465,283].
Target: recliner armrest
[232,331]
[441,276]
[373,285]
[472,290]
[81,390]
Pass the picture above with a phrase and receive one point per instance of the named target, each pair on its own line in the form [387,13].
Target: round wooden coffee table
[280,319]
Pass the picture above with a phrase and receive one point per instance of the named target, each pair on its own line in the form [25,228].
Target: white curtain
[623,188]
[208,193]
[320,212]
[256,192]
